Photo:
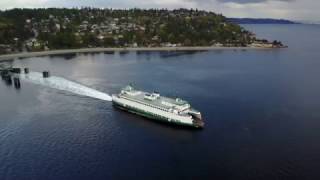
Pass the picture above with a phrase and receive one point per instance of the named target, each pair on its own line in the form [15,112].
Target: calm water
[261,107]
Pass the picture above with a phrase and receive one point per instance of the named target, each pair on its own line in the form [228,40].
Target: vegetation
[59,28]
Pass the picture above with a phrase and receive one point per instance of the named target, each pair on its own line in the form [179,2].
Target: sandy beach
[97,50]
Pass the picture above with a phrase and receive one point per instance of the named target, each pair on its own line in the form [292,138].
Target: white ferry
[154,106]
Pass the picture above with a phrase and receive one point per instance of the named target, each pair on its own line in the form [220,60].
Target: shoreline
[101,50]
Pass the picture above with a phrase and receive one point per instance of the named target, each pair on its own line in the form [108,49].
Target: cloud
[8,4]
[235,1]
[251,1]
[242,1]
[287,9]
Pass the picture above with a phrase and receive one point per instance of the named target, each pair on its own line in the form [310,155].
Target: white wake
[64,85]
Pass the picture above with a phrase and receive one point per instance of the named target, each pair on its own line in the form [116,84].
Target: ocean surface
[261,109]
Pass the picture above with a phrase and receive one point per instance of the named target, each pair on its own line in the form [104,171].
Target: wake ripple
[64,85]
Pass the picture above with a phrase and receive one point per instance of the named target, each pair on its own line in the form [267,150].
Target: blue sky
[288,9]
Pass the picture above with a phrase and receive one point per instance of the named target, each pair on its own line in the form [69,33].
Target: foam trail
[65,85]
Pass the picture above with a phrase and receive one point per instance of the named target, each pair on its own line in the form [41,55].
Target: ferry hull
[152,116]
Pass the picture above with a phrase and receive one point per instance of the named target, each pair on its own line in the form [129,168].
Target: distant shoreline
[261,21]
[101,50]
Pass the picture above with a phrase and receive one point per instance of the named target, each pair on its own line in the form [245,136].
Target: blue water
[261,108]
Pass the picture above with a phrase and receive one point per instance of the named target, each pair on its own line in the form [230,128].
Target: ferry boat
[157,107]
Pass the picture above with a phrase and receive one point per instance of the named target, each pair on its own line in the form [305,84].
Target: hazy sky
[289,9]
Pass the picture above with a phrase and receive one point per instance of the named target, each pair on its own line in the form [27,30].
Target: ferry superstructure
[157,107]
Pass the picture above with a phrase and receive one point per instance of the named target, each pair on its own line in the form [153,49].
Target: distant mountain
[260,21]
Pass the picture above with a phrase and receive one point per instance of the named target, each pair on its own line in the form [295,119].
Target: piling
[26,70]
[16,70]
[16,82]
[45,74]
[109,52]
[6,78]
[4,73]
